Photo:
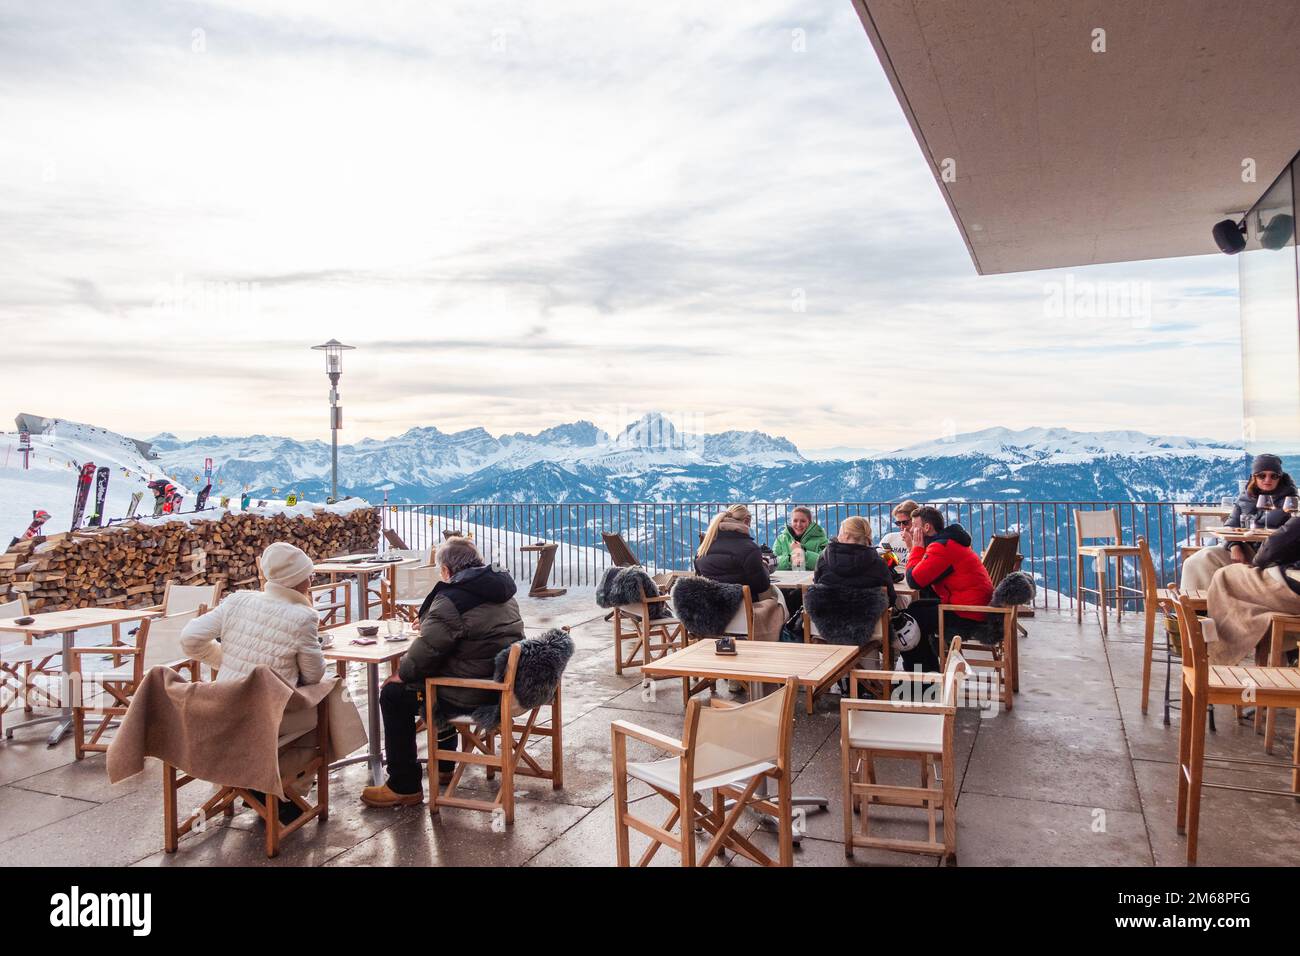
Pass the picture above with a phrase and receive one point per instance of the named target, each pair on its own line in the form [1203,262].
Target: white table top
[342,648]
[76,619]
[791,579]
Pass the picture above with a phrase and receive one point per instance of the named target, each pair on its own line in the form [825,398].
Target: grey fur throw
[1015,590]
[541,667]
[706,607]
[626,586]
[845,615]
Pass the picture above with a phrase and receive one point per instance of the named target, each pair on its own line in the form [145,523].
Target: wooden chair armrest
[717,703]
[977,607]
[912,676]
[657,599]
[651,737]
[464,682]
[117,650]
[892,706]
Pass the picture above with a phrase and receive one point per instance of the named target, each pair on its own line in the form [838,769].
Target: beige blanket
[226,732]
[1241,602]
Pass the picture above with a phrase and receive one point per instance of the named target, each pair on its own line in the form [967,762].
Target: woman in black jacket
[1266,478]
[851,561]
[729,555]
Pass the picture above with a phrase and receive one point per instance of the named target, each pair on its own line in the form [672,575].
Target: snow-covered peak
[1063,445]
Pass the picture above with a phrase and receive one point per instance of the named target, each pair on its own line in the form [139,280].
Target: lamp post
[334,350]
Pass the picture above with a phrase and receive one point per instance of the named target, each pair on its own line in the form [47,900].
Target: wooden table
[1198,512]
[791,579]
[541,586]
[1254,535]
[67,624]
[813,666]
[362,570]
[342,650]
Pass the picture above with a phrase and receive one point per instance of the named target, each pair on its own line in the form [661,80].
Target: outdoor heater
[334,350]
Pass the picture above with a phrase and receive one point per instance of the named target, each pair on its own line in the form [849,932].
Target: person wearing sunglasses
[1266,478]
[898,540]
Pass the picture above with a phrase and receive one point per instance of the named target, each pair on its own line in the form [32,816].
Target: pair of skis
[100,478]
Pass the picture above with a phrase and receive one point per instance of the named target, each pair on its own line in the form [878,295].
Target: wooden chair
[268,807]
[741,626]
[881,631]
[16,659]
[25,660]
[157,643]
[1281,626]
[412,587]
[619,552]
[650,637]
[1001,557]
[499,748]
[1001,658]
[1101,526]
[183,598]
[1205,685]
[906,728]
[1154,599]
[733,750]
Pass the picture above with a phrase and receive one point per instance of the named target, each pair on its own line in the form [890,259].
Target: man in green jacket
[467,619]
[801,543]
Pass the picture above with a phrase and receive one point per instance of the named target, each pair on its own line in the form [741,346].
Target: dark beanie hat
[1266,463]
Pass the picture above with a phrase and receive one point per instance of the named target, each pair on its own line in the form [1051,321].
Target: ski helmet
[907,633]
[39,515]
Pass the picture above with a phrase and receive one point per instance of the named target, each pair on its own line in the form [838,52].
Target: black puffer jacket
[1244,510]
[464,623]
[734,558]
[844,565]
[1282,550]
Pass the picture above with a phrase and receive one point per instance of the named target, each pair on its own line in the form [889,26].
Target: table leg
[65,693]
[374,755]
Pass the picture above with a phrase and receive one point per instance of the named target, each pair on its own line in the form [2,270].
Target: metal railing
[664,535]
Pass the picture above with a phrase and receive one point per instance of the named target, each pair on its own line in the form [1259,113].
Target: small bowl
[368,630]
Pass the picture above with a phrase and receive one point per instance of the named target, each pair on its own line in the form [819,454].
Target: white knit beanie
[285,565]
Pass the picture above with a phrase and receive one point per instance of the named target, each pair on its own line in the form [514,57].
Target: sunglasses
[902,522]
[1267,475]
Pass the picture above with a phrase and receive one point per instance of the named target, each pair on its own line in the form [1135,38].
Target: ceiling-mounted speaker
[1230,236]
[1278,232]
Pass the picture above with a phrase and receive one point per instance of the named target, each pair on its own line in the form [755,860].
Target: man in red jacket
[941,559]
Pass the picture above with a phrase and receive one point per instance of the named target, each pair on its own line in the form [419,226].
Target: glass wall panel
[1270,323]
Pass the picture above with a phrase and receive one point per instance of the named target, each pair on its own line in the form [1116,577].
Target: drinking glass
[395,628]
[1265,503]
[1291,504]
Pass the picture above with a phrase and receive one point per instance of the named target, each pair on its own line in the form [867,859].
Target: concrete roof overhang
[1062,156]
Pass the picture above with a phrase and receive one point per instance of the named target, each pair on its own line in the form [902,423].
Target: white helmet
[907,633]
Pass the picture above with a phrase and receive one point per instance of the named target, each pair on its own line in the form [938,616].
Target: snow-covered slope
[1062,446]
[51,481]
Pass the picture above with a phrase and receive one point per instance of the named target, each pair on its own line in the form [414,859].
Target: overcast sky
[524,214]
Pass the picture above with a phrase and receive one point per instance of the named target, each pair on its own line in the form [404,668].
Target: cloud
[526,214]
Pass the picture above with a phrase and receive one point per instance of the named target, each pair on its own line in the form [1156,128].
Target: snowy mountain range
[651,460]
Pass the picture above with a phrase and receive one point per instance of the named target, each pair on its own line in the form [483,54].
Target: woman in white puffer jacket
[276,627]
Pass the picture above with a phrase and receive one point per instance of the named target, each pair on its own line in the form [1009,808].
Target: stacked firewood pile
[129,564]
